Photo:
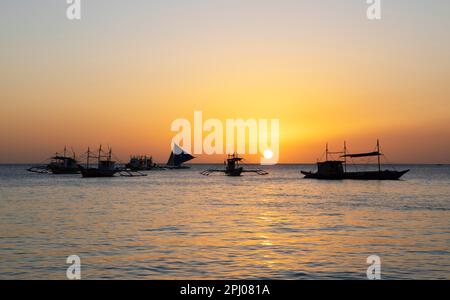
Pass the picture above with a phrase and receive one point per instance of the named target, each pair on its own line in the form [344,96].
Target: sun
[268,154]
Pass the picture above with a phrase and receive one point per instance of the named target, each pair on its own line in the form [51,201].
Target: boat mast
[326,153]
[345,156]
[87,160]
[99,154]
[379,154]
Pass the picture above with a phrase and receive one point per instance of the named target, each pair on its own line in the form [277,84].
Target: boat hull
[371,175]
[235,172]
[96,173]
[62,171]
[176,167]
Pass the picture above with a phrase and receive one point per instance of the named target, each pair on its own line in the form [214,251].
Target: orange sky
[120,78]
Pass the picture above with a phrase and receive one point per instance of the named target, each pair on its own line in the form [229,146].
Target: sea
[179,224]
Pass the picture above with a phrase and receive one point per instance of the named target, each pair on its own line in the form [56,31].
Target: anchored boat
[337,169]
[142,163]
[233,168]
[59,164]
[105,166]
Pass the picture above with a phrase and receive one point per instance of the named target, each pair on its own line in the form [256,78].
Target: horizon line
[254,163]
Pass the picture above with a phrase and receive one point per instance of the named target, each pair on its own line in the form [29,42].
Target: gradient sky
[123,73]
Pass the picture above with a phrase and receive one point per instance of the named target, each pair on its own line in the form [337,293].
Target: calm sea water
[182,225]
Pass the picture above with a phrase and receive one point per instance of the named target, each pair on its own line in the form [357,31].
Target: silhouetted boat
[233,168]
[142,163]
[177,158]
[337,169]
[105,165]
[59,164]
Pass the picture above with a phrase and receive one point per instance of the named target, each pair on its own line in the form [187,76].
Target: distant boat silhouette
[142,163]
[59,164]
[337,169]
[233,168]
[105,167]
[177,158]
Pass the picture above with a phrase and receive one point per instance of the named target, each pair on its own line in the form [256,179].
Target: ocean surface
[182,225]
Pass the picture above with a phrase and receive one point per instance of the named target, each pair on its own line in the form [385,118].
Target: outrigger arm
[257,171]
[211,171]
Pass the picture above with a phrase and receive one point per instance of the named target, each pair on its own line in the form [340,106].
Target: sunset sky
[127,69]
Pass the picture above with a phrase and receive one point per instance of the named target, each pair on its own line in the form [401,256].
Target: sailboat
[178,157]
[337,169]
[59,164]
[233,168]
[105,165]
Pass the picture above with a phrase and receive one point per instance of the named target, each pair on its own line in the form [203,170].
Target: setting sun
[268,154]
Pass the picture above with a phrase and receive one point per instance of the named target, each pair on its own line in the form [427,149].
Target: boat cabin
[63,161]
[332,168]
[106,165]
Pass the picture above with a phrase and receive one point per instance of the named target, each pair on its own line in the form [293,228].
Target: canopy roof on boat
[62,158]
[376,153]
[236,158]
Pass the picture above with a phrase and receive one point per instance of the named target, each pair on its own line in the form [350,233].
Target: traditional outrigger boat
[177,158]
[337,169]
[105,167]
[59,164]
[142,163]
[233,168]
